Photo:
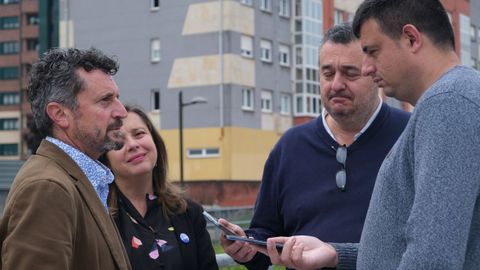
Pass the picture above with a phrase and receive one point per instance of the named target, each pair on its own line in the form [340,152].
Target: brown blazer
[53,219]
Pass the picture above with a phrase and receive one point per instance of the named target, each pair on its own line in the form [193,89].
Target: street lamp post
[181,104]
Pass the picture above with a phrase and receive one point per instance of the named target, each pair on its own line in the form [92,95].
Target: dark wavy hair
[170,197]
[54,79]
[339,34]
[428,16]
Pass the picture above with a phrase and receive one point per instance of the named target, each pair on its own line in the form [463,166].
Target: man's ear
[413,37]
[59,114]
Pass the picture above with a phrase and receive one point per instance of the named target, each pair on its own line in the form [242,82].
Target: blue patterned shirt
[98,174]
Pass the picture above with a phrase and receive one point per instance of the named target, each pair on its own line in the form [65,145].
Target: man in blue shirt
[56,215]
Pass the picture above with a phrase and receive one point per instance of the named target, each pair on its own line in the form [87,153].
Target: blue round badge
[184,237]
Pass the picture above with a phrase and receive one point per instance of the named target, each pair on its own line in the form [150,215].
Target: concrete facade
[200,55]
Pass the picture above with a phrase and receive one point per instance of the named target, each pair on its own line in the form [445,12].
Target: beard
[98,143]
[115,143]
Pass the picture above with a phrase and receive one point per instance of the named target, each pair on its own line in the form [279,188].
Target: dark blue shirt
[299,195]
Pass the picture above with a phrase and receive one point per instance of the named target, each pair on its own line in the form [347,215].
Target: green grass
[218,249]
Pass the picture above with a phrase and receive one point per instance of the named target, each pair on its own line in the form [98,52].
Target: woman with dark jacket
[159,227]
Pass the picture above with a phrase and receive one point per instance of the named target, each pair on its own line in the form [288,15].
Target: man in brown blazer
[55,215]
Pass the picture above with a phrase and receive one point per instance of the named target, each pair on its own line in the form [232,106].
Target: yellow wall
[243,153]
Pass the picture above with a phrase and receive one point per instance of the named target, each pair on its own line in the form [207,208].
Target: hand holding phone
[252,241]
[225,230]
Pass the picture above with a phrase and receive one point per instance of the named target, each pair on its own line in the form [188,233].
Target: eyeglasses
[341,176]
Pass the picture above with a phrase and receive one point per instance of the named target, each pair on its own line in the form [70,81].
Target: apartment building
[18,50]
[255,62]
[237,55]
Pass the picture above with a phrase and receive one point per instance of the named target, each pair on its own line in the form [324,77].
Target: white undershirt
[367,125]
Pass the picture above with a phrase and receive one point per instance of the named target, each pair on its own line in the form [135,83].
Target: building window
[8,73]
[247,2]
[266,5]
[203,152]
[307,104]
[155,50]
[154,4]
[285,101]
[155,99]
[246,46]
[9,124]
[9,98]
[10,47]
[9,22]
[465,39]
[472,33]
[32,19]
[266,101]
[284,8]
[10,149]
[32,44]
[247,99]
[8,1]
[284,53]
[337,16]
[266,50]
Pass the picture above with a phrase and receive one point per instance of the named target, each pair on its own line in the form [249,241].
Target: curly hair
[54,79]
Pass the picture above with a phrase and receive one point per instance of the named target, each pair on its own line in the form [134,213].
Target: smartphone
[225,230]
[252,241]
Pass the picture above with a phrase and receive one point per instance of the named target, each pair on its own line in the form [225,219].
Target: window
[284,8]
[32,44]
[246,46]
[9,149]
[307,104]
[266,50]
[155,50]
[9,22]
[266,101]
[472,32]
[9,124]
[465,39]
[155,99]
[284,53]
[203,152]
[247,2]
[285,101]
[8,73]
[8,1]
[9,98]
[32,19]
[247,99]
[337,16]
[266,5]
[154,4]
[10,47]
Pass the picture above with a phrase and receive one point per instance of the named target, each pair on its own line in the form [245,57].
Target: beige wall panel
[10,136]
[204,70]
[66,37]
[268,121]
[239,70]
[347,5]
[203,18]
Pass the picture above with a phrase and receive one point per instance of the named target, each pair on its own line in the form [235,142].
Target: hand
[302,252]
[239,251]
